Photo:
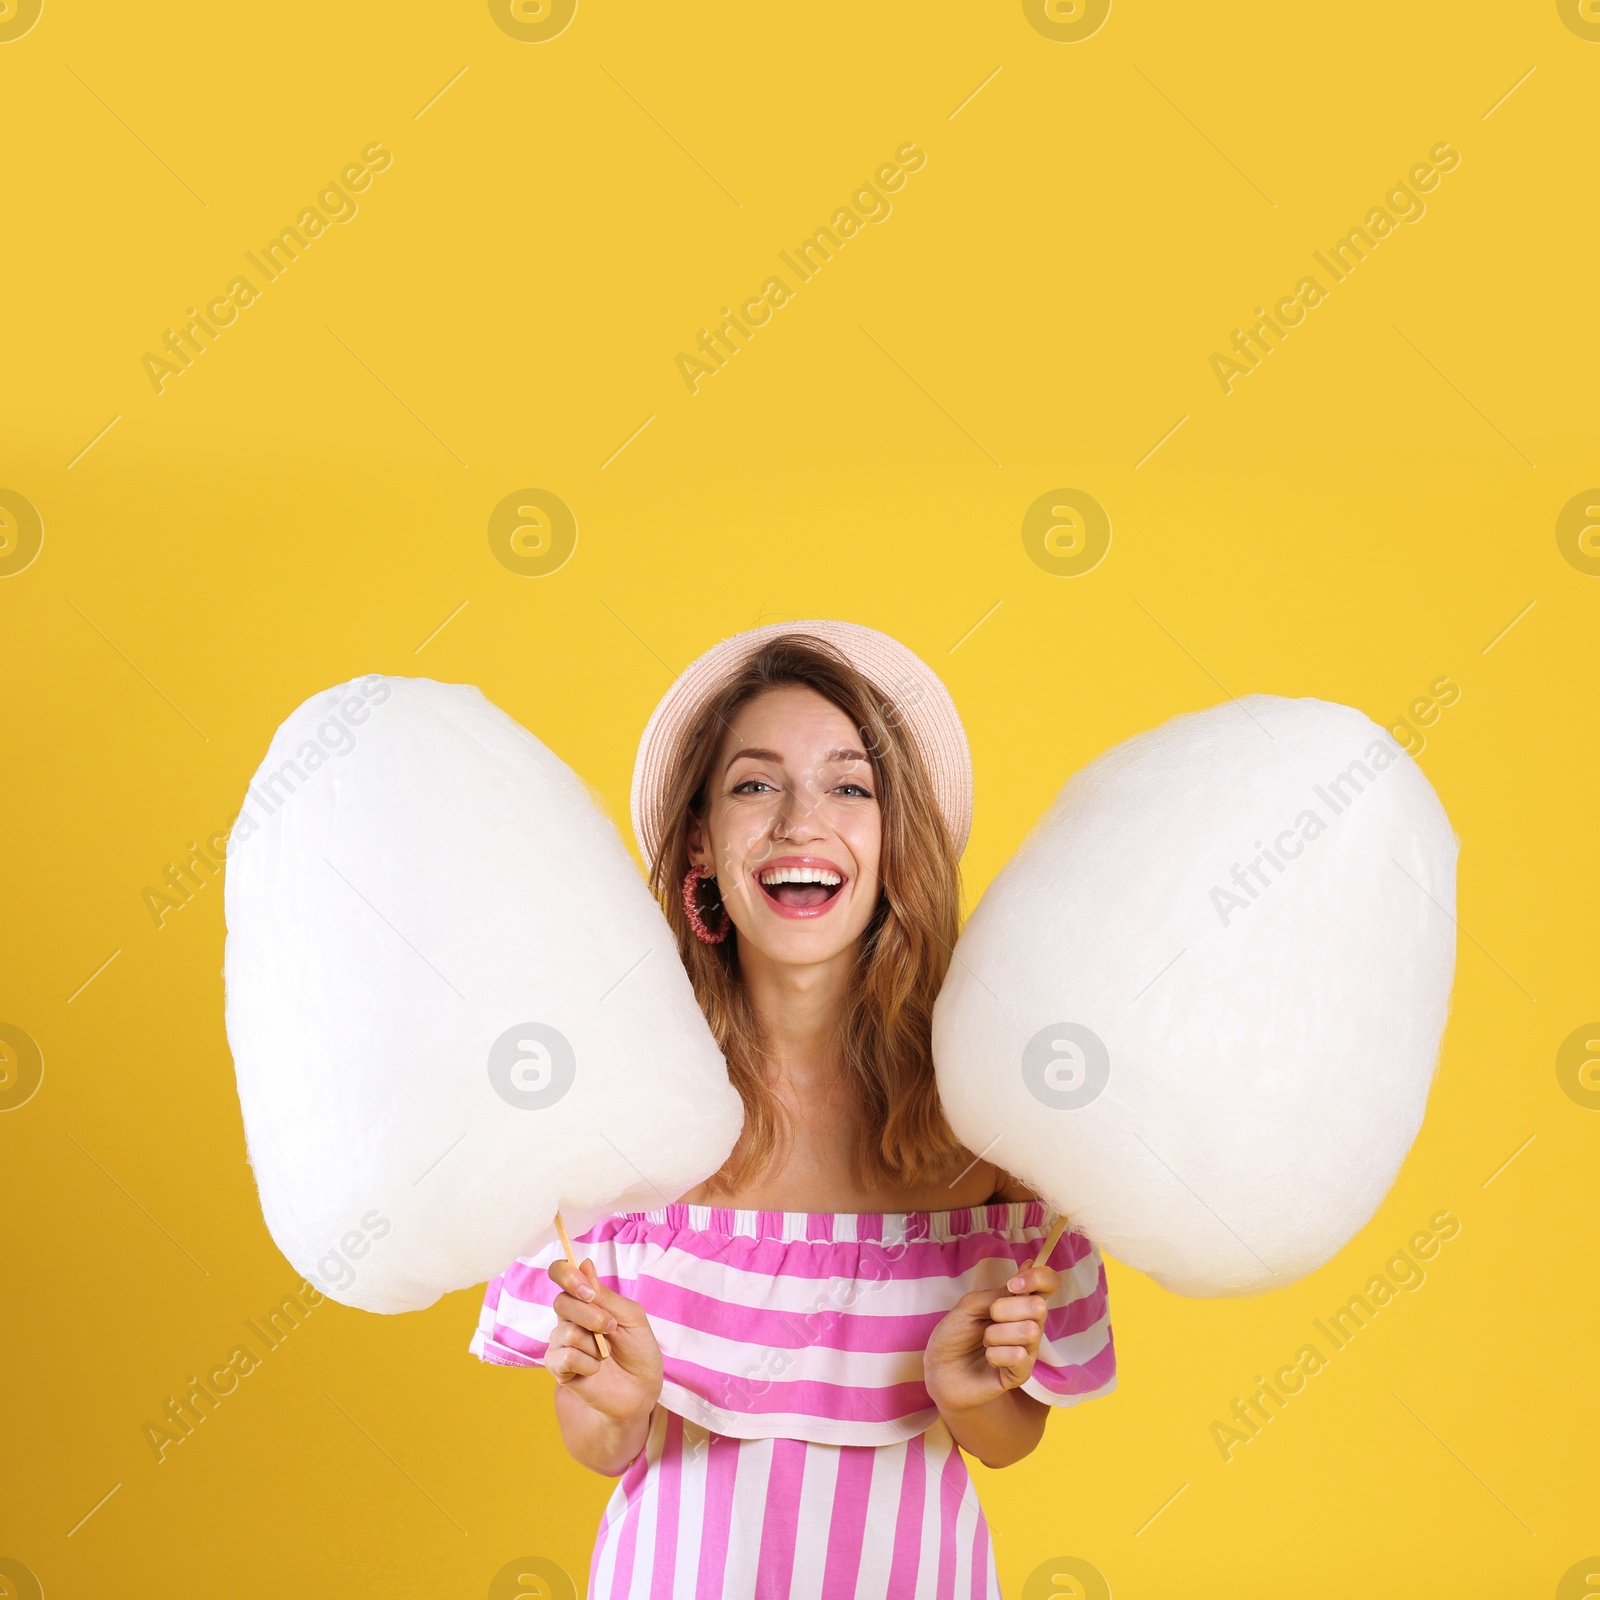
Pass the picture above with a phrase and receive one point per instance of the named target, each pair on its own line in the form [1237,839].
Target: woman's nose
[797,815]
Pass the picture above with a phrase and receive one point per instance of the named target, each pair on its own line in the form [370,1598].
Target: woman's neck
[800,1010]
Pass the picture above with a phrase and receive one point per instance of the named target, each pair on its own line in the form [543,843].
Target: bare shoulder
[1008,1188]
[986,1184]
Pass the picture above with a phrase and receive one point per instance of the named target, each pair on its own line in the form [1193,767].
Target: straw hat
[919,701]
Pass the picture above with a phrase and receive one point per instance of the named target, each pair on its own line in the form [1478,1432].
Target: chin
[801,945]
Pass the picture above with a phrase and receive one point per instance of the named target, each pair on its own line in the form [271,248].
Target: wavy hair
[886,1031]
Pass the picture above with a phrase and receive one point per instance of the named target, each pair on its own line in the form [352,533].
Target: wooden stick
[572,1258]
[1057,1228]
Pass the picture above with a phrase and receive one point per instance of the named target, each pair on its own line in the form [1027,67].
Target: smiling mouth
[800,888]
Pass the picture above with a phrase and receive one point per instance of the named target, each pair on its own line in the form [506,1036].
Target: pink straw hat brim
[919,700]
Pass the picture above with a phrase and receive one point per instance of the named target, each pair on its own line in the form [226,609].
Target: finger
[589,1283]
[1009,1335]
[977,1303]
[1018,1308]
[629,1313]
[1035,1280]
[568,1336]
[569,1363]
[568,1277]
[594,1318]
[583,1283]
[1005,1355]
[580,1280]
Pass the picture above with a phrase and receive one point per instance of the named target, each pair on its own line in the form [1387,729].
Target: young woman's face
[792,829]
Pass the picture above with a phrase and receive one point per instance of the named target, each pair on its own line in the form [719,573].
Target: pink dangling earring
[691,908]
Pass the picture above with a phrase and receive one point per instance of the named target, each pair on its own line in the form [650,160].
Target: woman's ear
[699,855]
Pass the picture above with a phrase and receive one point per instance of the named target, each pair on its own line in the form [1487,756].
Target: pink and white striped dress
[795,1451]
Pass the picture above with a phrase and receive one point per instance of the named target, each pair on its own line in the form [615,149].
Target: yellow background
[1366,512]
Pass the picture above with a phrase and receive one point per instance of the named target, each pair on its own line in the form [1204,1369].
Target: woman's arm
[602,1406]
[978,1357]
[596,1441]
[1002,1432]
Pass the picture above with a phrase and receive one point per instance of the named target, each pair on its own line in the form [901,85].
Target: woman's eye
[750,785]
[854,790]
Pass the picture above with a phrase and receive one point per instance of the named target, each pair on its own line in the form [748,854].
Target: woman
[798,1351]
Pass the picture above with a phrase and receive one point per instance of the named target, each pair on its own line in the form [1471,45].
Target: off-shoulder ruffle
[812,1325]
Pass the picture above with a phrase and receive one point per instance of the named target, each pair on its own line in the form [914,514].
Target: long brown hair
[886,1032]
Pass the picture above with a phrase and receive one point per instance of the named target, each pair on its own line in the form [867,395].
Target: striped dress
[795,1451]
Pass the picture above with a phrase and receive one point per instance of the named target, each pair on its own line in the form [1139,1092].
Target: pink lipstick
[800,886]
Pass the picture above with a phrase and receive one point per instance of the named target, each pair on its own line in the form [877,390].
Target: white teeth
[776,875]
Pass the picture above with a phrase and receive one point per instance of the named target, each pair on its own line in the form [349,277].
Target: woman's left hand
[989,1342]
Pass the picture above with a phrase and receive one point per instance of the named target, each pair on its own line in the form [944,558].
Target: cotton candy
[1200,1009]
[452,1004]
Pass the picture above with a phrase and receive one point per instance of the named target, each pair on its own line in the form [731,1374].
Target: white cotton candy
[1216,1079]
[453,1005]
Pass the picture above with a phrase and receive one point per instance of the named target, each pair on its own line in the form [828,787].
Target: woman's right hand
[628,1383]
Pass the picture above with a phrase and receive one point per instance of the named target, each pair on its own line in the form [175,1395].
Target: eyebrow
[753,754]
